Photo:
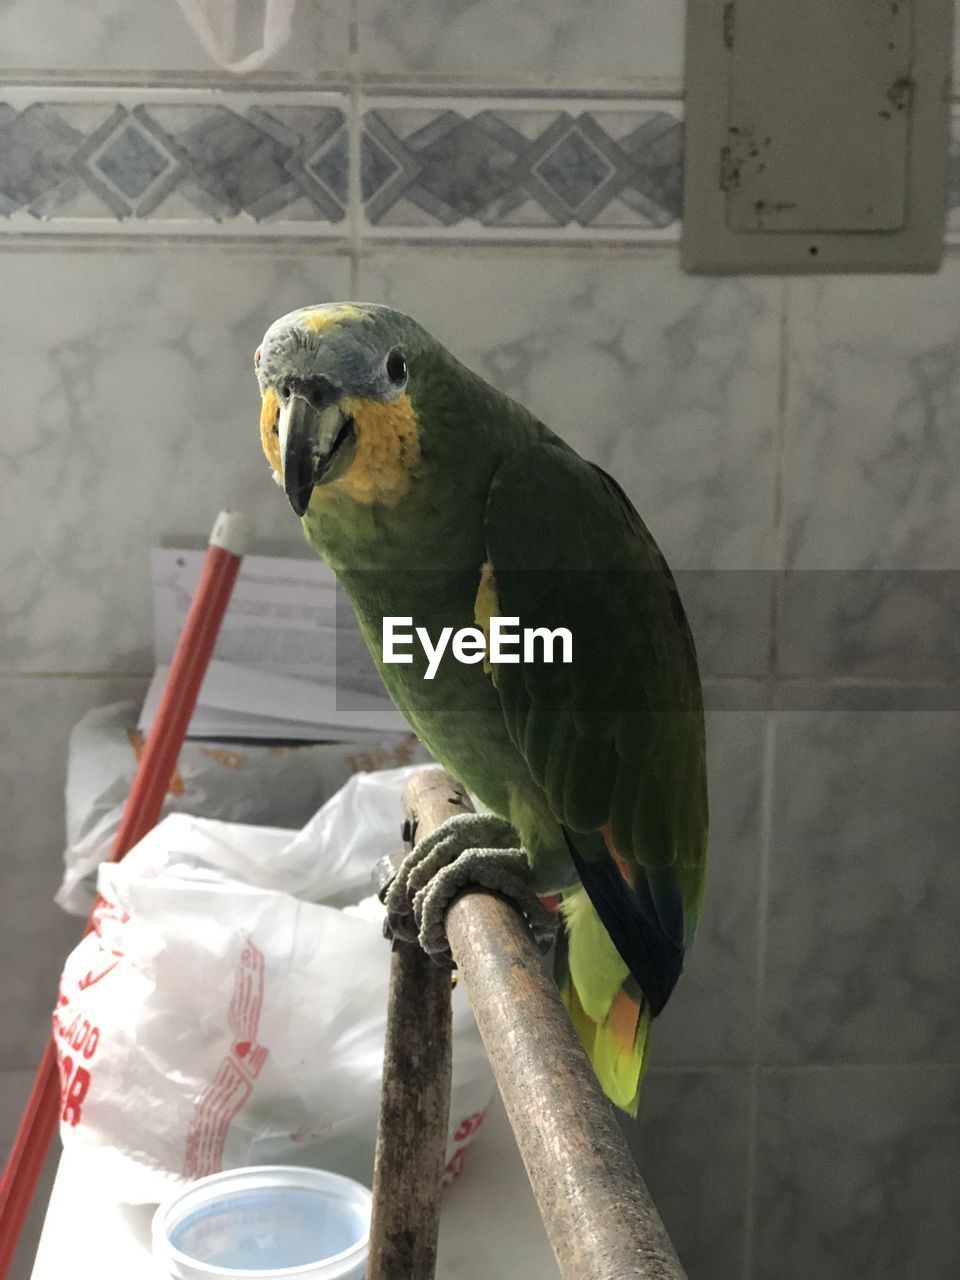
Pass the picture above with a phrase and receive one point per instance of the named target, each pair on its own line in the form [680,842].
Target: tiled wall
[510,174]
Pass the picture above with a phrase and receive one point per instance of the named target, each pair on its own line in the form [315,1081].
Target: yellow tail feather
[596,986]
[616,1047]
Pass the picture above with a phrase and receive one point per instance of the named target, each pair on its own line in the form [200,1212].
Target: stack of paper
[288,663]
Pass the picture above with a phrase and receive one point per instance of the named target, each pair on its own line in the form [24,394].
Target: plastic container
[273,1221]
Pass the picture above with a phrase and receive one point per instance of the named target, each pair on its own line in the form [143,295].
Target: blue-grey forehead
[348,342]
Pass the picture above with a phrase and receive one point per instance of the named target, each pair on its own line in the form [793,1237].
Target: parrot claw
[469,849]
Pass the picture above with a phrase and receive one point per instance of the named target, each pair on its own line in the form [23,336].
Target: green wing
[615,739]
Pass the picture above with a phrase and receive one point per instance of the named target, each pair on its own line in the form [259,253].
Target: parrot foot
[469,849]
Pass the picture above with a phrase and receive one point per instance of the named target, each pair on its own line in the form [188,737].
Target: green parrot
[436,498]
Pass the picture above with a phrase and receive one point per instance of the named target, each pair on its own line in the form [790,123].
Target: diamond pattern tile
[574,169]
[656,183]
[36,147]
[532,167]
[218,157]
[132,162]
[233,161]
[465,168]
[331,166]
[376,166]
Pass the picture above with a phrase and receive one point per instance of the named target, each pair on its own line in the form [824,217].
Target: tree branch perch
[597,1211]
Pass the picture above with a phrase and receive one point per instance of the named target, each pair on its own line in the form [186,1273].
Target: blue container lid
[267,1222]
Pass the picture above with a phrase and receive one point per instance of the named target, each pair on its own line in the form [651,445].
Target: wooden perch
[414,1111]
[598,1214]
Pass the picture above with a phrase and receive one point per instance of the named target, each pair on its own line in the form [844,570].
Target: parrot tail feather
[616,1046]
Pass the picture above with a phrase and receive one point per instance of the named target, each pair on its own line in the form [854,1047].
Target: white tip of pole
[231,532]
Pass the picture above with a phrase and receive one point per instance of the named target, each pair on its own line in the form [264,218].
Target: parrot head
[339,385]
[362,409]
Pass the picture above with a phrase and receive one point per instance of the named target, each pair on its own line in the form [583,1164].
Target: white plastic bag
[243,782]
[225,27]
[212,1021]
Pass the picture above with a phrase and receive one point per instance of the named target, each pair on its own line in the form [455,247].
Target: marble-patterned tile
[870,624]
[861,961]
[14,1091]
[711,1015]
[730,612]
[137,421]
[871,460]
[546,165]
[667,381]
[857,1175]
[36,716]
[120,35]
[172,162]
[690,1142]
[871,446]
[493,42]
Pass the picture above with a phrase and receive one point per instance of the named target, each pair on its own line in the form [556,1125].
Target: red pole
[140,813]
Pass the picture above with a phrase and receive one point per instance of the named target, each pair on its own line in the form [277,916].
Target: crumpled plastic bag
[241,782]
[226,27]
[216,1017]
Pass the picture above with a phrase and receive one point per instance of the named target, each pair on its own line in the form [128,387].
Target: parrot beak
[317,440]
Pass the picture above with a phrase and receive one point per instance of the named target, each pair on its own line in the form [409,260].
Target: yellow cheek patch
[388,451]
[269,414]
[329,317]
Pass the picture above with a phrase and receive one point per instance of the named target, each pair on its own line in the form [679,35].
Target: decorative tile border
[224,164]
[169,163]
[584,169]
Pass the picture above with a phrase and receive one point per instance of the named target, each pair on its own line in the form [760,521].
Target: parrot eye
[256,358]
[396,366]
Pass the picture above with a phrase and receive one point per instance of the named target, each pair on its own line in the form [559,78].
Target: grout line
[614,246]
[436,84]
[753,1092]
[416,96]
[439,86]
[824,680]
[768,795]
[208,81]
[354,192]
[863,682]
[779,538]
[552,238]
[133,242]
[324,79]
[820,1068]
[86,239]
[332,79]
[718,681]
[13,674]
